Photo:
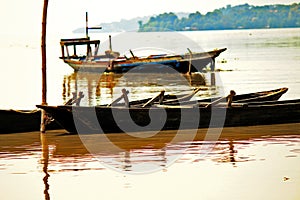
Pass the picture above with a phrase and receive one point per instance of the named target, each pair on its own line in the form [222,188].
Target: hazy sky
[67,15]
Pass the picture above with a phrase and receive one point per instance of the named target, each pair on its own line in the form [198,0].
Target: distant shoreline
[102,31]
[230,18]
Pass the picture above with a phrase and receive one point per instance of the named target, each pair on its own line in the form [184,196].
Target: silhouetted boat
[13,121]
[169,99]
[197,114]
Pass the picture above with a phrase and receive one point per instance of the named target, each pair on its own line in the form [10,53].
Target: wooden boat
[112,62]
[270,95]
[170,99]
[13,121]
[109,119]
[101,119]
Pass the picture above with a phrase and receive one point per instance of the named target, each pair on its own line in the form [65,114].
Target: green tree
[236,17]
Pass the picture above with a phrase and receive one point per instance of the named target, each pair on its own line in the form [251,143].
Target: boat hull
[182,64]
[13,121]
[270,95]
[102,119]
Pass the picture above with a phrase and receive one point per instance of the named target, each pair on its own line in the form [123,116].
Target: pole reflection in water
[232,152]
[239,156]
[96,87]
[135,158]
[195,79]
[67,81]
[45,161]
[127,162]
[103,88]
[213,79]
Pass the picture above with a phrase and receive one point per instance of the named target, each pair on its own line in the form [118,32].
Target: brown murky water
[259,162]
[243,163]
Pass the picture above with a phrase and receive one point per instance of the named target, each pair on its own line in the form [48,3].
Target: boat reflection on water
[60,155]
[64,152]
[124,153]
[101,88]
[95,86]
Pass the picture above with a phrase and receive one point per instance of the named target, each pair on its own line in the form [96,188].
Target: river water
[243,163]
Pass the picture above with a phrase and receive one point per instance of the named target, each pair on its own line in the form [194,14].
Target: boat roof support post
[63,51]
[67,50]
[96,49]
[74,48]
[89,51]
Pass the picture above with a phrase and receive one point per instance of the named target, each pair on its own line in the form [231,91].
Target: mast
[87,28]
[44,69]
[86,25]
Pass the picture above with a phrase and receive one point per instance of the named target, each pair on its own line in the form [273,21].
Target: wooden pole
[44,71]
[86,25]
[212,73]
[110,46]
[190,61]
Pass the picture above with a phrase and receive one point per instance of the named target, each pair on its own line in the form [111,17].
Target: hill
[124,24]
[237,17]
[230,17]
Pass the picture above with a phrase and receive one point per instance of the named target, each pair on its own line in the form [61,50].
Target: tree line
[237,17]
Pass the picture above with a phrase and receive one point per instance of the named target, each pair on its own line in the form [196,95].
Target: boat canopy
[65,43]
